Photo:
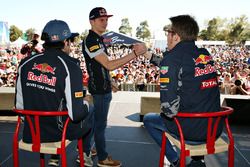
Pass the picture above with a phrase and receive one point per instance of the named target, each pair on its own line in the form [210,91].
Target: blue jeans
[155,125]
[87,139]
[101,108]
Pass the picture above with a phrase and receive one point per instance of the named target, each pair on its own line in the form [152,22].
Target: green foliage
[125,27]
[84,34]
[143,32]
[15,33]
[234,31]
[29,33]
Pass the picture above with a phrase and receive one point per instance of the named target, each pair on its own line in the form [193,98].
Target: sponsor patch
[78,94]
[94,48]
[210,83]
[164,80]
[164,69]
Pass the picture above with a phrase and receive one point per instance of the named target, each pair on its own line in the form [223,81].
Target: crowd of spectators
[232,63]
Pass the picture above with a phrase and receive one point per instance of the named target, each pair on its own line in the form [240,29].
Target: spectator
[140,82]
[32,47]
[227,84]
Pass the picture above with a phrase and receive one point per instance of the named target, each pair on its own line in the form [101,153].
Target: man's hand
[88,98]
[139,48]
[147,55]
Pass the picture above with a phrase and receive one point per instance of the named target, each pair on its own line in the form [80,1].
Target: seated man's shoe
[93,152]
[199,163]
[54,160]
[109,162]
[87,160]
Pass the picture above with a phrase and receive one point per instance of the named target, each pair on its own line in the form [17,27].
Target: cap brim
[100,17]
[73,35]
[109,15]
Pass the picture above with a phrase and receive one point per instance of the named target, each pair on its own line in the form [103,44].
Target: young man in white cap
[99,84]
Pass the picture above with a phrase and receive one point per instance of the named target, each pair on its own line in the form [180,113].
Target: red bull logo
[42,78]
[44,68]
[202,59]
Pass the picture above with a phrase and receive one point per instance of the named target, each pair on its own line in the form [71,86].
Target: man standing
[53,81]
[188,83]
[99,84]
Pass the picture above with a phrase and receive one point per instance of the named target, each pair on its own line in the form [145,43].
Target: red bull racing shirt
[99,79]
[188,83]
[50,81]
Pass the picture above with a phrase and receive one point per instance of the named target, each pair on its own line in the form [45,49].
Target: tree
[125,27]
[214,30]
[239,30]
[143,32]
[84,34]
[15,33]
[234,31]
[29,33]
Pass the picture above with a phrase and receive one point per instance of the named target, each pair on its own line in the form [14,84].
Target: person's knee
[148,117]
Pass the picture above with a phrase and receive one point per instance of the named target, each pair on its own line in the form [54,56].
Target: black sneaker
[199,163]
[54,160]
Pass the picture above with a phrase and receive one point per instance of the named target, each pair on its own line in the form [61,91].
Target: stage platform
[127,140]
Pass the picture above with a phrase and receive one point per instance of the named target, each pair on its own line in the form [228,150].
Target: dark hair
[56,45]
[185,26]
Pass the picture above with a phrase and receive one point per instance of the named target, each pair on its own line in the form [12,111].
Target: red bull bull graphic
[44,68]
[203,59]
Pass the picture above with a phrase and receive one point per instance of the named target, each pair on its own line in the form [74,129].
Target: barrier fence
[145,88]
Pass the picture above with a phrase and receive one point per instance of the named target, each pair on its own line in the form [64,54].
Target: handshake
[141,49]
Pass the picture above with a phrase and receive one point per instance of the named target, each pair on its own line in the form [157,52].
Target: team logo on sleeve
[164,69]
[164,80]
[78,94]
[95,47]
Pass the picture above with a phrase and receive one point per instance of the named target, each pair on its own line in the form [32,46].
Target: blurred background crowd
[232,63]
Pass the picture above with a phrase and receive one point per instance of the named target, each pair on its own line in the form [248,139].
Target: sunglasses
[169,32]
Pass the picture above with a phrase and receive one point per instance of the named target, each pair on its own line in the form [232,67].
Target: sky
[35,14]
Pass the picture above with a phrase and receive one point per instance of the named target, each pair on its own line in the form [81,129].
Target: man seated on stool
[52,81]
[188,83]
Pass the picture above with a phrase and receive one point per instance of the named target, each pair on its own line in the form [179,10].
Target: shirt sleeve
[93,47]
[170,83]
[78,108]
